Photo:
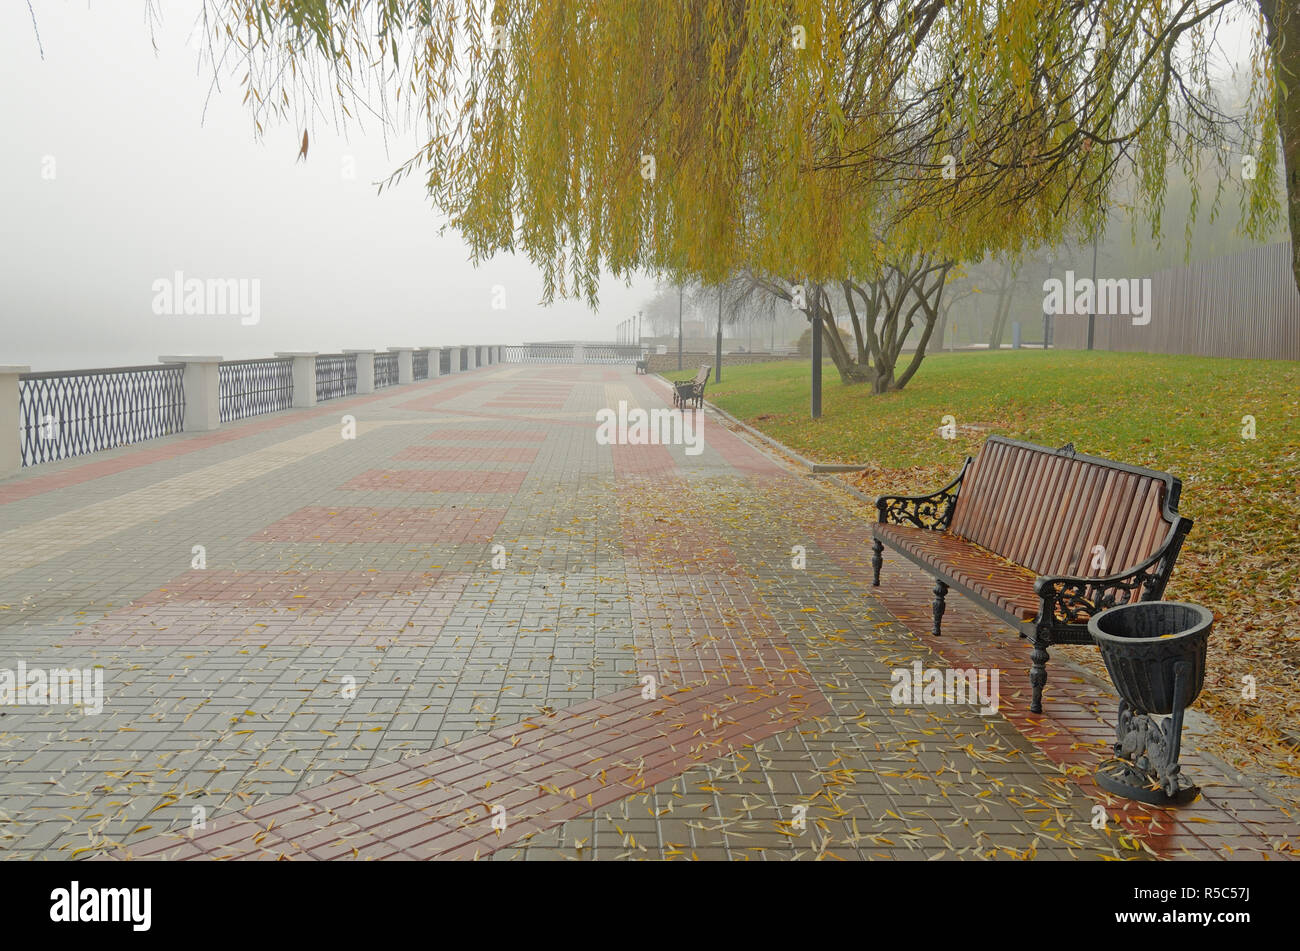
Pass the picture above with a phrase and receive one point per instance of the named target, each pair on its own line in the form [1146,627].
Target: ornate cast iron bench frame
[1066,601]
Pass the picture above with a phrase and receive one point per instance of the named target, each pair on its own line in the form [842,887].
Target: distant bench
[686,392]
[1033,535]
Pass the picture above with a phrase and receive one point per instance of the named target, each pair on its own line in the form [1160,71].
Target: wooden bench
[1042,538]
[686,392]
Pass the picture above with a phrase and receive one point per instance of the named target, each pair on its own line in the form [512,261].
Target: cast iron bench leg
[1038,658]
[940,592]
[877,546]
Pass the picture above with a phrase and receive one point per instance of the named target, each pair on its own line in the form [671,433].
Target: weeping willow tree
[817,140]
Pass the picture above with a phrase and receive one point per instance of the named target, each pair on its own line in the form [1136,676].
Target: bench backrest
[1048,509]
[703,375]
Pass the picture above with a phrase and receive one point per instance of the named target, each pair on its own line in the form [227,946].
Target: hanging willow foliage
[804,138]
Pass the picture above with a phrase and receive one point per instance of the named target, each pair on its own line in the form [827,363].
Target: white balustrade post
[405,369]
[304,377]
[365,370]
[579,354]
[202,382]
[435,362]
[11,455]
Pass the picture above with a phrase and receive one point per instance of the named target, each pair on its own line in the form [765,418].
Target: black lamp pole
[679,326]
[717,369]
[817,363]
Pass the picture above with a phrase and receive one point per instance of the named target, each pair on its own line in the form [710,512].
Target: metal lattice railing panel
[385,370]
[420,365]
[611,353]
[336,375]
[539,353]
[444,361]
[253,387]
[70,413]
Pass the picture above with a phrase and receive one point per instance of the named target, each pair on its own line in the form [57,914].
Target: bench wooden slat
[1078,542]
[1097,533]
[970,511]
[1030,521]
[1047,525]
[1009,494]
[1122,543]
[1058,559]
[1081,554]
[1014,502]
[1107,517]
[1156,528]
[985,495]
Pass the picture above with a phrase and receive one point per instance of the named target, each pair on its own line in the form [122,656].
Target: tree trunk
[832,343]
[1005,288]
[1283,21]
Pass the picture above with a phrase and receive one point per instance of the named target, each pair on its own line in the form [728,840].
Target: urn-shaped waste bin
[1155,653]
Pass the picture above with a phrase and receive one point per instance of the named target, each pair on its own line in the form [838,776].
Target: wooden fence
[1242,305]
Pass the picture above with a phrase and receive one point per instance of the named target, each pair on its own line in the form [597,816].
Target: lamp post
[717,368]
[1092,311]
[817,362]
[679,326]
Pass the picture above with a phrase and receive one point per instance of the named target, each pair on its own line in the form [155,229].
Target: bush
[805,342]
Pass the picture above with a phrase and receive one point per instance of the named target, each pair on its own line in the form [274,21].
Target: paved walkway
[473,631]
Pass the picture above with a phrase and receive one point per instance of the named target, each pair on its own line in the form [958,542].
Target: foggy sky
[145,185]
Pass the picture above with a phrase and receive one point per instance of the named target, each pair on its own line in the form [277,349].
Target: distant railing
[64,413]
[253,387]
[385,370]
[611,353]
[539,353]
[608,353]
[336,375]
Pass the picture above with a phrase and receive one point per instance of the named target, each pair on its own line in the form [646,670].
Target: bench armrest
[1072,600]
[933,511]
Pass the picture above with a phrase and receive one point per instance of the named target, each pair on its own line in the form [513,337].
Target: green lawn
[1178,414]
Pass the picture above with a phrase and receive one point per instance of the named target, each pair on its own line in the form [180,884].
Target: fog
[121,166]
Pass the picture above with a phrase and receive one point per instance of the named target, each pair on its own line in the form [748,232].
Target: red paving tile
[216,606]
[469,455]
[402,525]
[486,435]
[435,480]
[648,460]
[431,401]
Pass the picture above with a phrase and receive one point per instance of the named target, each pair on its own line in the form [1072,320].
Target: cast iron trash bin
[1155,653]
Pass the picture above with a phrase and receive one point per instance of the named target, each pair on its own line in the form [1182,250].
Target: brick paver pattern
[474,631]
